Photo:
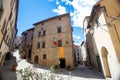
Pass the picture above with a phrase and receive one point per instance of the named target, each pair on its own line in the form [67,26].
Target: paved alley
[79,73]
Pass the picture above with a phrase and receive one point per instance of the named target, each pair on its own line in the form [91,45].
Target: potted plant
[68,67]
[14,66]
[8,56]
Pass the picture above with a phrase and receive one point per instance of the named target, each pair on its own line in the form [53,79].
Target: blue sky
[32,11]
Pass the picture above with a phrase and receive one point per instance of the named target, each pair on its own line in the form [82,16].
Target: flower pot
[14,67]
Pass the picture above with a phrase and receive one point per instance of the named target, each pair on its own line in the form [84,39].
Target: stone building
[53,43]
[17,42]
[104,29]
[92,58]
[26,43]
[8,26]
[78,56]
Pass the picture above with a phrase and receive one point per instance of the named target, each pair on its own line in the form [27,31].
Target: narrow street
[79,73]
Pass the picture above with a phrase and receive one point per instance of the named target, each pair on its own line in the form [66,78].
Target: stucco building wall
[105,42]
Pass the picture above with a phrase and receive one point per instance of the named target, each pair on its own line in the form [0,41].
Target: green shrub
[8,56]
[68,67]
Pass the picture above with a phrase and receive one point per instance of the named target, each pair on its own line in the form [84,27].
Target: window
[44,33]
[38,45]
[77,53]
[44,56]
[59,18]
[59,29]
[39,34]
[43,45]
[59,43]
[67,42]
[41,28]
[31,37]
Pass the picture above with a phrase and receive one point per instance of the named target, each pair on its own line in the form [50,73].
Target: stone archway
[105,62]
[36,59]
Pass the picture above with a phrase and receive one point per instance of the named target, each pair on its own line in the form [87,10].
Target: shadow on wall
[6,71]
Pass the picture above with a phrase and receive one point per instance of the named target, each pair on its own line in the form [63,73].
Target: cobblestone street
[81,72]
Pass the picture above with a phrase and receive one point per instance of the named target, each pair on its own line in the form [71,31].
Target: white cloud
[76,39]
[60,10]
[57,2]
[66,1]
[82,8]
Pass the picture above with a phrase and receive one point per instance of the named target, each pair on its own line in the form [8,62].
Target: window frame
[39,33]
[44,32]
[59,43]
[59,29]
[43,44]
[38,45]
[44,57]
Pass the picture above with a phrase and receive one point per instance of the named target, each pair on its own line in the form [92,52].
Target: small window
[77,53]
[31,37]
[59,29]
[38,45]
[41,28]
[59,18]
[39,34]
[67,42]
[44,33]
[43,45]
[59,43]
[44,56]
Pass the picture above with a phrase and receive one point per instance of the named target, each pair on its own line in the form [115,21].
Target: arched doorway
[105,62]
[36,59]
